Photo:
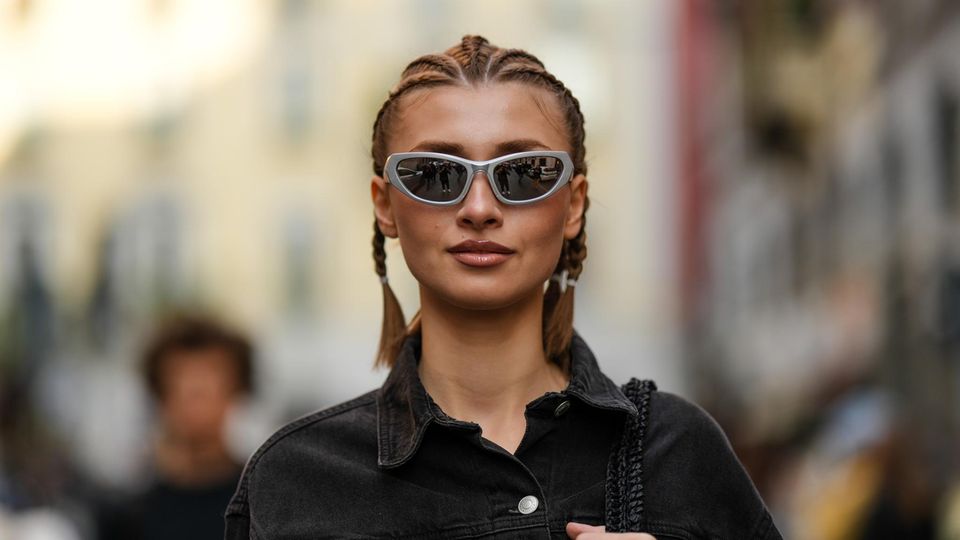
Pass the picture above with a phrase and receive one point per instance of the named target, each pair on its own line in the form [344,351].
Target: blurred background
[775,228]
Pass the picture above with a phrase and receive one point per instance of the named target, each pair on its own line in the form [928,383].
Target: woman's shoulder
[671,419]
[336,446]
[356,416]
[344,430]
[690,467]
[677,420]
[683,435]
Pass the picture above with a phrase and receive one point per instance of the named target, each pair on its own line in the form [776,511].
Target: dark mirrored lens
[527,178]
[432,179]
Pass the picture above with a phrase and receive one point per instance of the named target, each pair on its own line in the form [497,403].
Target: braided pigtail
[393,329]
[552,295]
[559,325]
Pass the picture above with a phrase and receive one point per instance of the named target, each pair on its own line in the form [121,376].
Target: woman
[495,421]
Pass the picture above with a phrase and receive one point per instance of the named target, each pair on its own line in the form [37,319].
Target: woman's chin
[489,299]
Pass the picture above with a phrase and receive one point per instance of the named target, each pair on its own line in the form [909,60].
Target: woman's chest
[455,485]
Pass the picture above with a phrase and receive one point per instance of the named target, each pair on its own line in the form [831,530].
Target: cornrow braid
[577,248]
[473,55]
[379,255]
[510,54]
[416,80]
[434,61]
[475,61]
[574,117]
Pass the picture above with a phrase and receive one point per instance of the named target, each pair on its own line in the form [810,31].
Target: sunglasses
[445,180]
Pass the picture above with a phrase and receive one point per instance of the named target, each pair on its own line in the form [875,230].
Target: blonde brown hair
[475,61]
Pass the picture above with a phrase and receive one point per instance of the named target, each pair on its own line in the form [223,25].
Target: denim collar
[405,410]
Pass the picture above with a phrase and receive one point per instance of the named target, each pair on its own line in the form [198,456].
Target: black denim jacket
[391,464]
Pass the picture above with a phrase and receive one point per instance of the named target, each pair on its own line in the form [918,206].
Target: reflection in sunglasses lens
[527,178]
[432,179]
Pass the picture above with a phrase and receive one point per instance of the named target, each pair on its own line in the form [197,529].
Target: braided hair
[475,61]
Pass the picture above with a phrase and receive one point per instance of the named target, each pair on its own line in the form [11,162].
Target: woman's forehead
[479,119]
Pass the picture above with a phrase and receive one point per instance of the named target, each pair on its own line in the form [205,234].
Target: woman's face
[479,123]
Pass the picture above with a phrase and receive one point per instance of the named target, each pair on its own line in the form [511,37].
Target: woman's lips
[480,253]
[472,258]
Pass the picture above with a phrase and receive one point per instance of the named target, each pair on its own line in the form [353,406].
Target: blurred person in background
[196,370]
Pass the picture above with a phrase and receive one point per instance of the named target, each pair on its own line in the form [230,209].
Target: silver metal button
[562,408]
[528,504]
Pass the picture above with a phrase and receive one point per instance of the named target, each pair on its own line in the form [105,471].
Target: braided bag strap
[624,489]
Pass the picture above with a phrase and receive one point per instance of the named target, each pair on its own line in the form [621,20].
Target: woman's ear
[578,198]
[381,207]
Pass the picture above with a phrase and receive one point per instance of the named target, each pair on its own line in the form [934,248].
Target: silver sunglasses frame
[473,167]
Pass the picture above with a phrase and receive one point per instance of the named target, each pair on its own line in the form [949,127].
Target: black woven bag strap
[624,490]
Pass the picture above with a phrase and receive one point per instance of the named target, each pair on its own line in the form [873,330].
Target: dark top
[165,511]
[390,463]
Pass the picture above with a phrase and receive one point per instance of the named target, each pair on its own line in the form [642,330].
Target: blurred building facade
[163,156]
[819,165]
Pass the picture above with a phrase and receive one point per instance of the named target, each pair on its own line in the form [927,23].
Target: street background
[774,230]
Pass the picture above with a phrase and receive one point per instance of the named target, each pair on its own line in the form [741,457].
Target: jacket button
[528,504]
[562,408]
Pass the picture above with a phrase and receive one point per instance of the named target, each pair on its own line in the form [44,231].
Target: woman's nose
[480,208]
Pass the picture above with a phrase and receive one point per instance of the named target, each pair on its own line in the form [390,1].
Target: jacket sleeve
[693,479]
[237,527]
[237,516]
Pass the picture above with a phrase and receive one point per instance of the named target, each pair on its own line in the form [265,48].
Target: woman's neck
[485,366]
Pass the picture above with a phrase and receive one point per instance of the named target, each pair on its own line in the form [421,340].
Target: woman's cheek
[420,236]
[546,239]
